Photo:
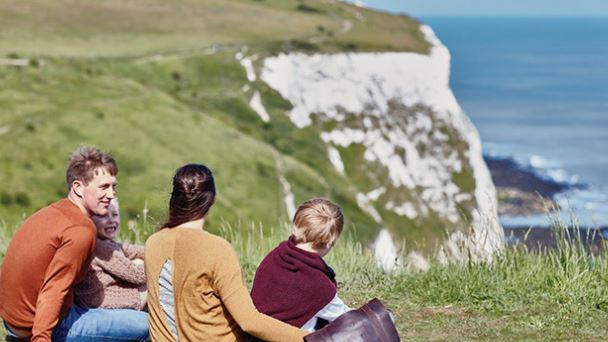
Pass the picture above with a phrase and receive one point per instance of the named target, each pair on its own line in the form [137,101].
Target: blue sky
[421,8]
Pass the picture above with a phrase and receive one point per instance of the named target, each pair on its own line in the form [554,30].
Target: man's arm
[73,253]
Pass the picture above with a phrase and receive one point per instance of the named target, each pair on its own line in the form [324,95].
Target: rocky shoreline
[520,191]
[544,238]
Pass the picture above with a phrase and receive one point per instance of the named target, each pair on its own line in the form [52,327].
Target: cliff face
[393,126]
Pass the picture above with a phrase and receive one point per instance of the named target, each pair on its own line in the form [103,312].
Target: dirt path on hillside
[18,62]
[345,27]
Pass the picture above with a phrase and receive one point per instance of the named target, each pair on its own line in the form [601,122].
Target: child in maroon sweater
[293,283]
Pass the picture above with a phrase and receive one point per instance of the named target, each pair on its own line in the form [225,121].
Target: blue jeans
[84,324]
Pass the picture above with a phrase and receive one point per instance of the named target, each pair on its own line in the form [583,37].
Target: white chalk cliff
[422,154]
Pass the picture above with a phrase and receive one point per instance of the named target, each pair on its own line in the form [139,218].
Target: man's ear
[77,187]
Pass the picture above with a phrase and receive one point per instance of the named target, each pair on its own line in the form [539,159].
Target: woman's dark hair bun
[192,196]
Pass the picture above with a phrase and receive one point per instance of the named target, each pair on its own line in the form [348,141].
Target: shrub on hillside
[22,199]
[6,199]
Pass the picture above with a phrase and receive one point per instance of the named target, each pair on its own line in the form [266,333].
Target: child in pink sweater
[116,279]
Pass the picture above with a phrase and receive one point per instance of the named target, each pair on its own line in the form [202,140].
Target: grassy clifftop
[136,27]
[521,296]
[158,85]
[161,84]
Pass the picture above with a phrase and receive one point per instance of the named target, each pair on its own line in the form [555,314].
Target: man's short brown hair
[84,163]
[318,221]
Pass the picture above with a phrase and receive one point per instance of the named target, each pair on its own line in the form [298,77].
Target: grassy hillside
[138,27]
[522,296]
[153,118]
[158,85]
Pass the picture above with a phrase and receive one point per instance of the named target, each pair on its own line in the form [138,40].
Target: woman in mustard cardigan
[196,290]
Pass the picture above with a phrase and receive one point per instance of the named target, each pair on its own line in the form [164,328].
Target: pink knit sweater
[113,281]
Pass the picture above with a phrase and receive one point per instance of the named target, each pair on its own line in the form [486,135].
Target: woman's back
[195,283]
[204,269]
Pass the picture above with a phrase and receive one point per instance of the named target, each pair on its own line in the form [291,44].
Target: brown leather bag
[371,322]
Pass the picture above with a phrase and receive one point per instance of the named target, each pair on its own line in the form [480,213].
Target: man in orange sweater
[52,251]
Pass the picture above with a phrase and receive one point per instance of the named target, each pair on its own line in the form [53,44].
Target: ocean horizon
[535,88]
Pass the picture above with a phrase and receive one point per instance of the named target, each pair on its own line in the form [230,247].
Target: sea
[537,91]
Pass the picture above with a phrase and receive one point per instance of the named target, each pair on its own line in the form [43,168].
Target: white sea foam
[589,206]
[582,207]
[562,176]
[540,162]
[549,169]
[543,167]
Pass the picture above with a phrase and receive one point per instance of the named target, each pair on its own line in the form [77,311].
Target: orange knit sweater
[49,253]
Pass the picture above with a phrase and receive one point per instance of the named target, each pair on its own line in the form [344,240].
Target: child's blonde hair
[318,221]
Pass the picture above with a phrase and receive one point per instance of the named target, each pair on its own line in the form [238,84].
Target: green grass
[158,85]
[154,117]
[138,27]
[561,294]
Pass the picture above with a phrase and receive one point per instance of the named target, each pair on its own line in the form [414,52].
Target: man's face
[108,224]
[96,195]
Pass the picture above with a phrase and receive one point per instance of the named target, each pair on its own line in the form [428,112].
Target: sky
[560,8]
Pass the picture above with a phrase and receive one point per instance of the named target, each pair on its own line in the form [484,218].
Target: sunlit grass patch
[559,293]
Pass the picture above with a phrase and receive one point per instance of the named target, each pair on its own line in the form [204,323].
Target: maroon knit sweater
[292,284]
